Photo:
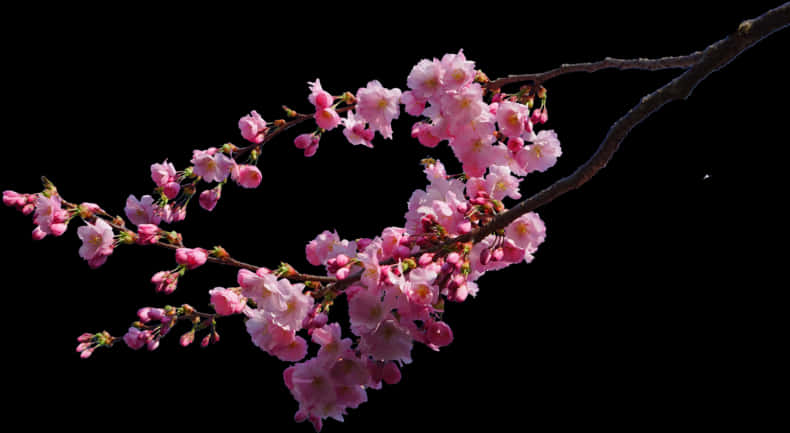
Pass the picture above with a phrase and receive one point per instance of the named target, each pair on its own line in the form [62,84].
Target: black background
[646,306]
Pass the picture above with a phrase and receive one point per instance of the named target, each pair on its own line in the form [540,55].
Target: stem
[682,62]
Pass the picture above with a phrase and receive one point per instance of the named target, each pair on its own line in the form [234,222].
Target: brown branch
[680,62]
[710,60]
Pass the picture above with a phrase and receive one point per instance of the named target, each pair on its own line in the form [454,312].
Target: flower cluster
[374,110]
[397,283]
[449,94]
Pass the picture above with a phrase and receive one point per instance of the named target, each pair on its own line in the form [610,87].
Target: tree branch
[710,60]
[607,63]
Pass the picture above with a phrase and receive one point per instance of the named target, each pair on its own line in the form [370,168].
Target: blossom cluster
[397,283]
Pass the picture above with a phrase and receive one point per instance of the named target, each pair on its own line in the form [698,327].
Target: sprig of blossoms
[397,283]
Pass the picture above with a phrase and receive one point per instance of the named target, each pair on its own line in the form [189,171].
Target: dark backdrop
[642,307]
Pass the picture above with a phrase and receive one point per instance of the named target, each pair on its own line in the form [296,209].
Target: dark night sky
[643,307]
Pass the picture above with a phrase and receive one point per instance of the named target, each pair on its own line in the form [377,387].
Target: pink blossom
[172,212]
[327,118]
[378,106]
[147,234]
[388,342]
[303,141]
[211,165]
[191,257]
[366,311]
[464,105]
[97,242]
[15,199]
[163,173]
[319,97]
[253,127]
[147,314]
[171,190]
[49,215]
[297,305]
[499,183]
[356,131]
[426,78]
[142,211]
[458,71]
[328,245]
[274,339]
[413,105]
[314,389]
[540,115]
[227,301]
[390,373]
[135,338]
[390,239]
[542,153]
[474,153]
[514,144]
[420,289]
[527,231]
[248,176]
[165,281]
[332,344]
[294,351]
[425,134]
[208,198]
[349,371]
[511,117]
[264,289]
[438,334]
[312,147]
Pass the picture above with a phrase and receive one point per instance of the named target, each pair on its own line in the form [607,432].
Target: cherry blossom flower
[356,131]
[142,211]
[253,127]
[147,234]
[319,97]
[458,72]
[50,217]
[247,176]
[163,173]
[378,106]
[97,242]
[527,231]
[387,342]
[208,198]
[426,78]
[542,153]
[328,245]
[511,118]
[191,257]
[227,301]
[211,165]
[263,288]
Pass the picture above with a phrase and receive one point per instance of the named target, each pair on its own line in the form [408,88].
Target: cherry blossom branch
[299,118]
[699,66]
[714,57]
[217,255]
[679,62]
